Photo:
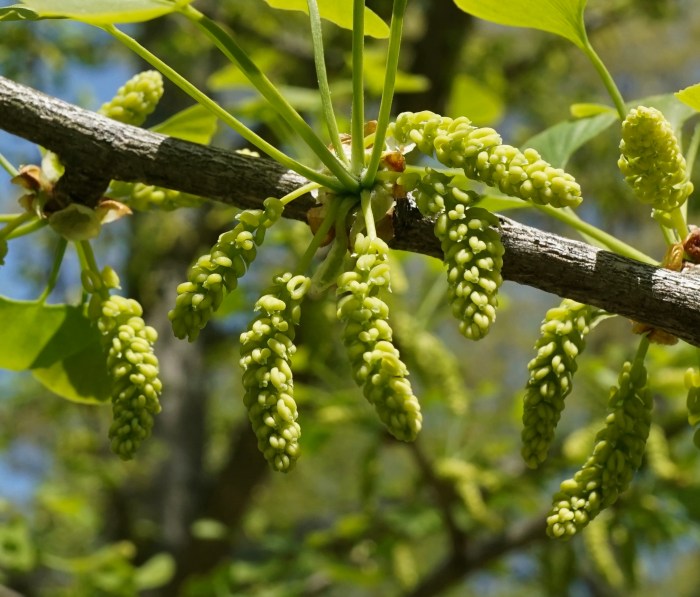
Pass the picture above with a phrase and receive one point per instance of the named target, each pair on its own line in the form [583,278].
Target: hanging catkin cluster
[377,367]
[562,339]
[472,251]
[136,99]
[266,350]
[618,452]
[217,272]
[651,160]
[131,363]
[483,157]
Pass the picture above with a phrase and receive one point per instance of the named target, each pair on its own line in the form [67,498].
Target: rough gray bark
[101,148]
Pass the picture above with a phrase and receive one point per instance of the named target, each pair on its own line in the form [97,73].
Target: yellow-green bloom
[136,99]
[651,160]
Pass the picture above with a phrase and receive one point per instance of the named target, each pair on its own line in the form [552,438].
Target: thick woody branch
[101,148]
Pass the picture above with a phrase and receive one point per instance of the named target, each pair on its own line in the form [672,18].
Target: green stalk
[641,354]
[679,223]
[357,121]
[607,240]
[302,190]
[607,79]
[319,237]
[10,230]
[203,99]
[55,268]
[223,40]
[690,157]
[32,226]
[322,76]
[392,61]
[7,166]
[367,214]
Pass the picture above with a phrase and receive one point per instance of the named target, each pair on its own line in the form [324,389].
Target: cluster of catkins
[132,365]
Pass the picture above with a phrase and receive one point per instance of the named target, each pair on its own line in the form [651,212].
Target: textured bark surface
[100,148]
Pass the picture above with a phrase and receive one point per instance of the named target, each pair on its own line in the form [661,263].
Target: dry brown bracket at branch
[98,149]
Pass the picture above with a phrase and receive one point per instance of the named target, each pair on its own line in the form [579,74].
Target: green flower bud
[483,157]
[376,365]
[651,160]
[136,99]
[218,272]
[562,339]
[142,197]
[266,350]
[617,454]
[133,369]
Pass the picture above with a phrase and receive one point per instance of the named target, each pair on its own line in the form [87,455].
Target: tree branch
[104,148]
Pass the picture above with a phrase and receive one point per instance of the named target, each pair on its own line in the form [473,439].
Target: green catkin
[377,367]
[266,350]
[133,369]
[218,272]
[692,384]
[472,251]
[596,540]
[651,160]
[562,339]
[136,99]
[143,197]
[435,362]
[483,157]
[618,452]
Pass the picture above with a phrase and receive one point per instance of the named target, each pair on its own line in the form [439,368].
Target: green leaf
[690,96]
[101,12]
[35,335]
[195,124]
[338,12]
[155,572]
[558,143]
[17,13]
[562,17]
[471,98]
[81,377]
[375,71]
[585,110]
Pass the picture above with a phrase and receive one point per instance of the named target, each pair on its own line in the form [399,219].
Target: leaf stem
[357,120]
[32,226]
[607,79]
[14,223]
[319,237]
[392,61]
[322,76]
[302,190]
[7,166]
[607,240]
[55,268]
[366,203]
[230,48]
[203,99]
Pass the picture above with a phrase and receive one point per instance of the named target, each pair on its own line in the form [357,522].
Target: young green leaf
[558,143]
[561,17]
[17,13]
[102,12]
[195,124]
[690,96]
[338,12]
[36,335]
[81,377]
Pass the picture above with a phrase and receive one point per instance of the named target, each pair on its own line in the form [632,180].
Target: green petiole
[392,61]
[223,40]
[55,268]
[322,76]
[201,98]
[357,121]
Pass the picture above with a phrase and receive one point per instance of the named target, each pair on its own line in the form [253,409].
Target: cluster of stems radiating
[266,350]
[218,272]
[131,362]
[618,452]
[482,156]
[472,251]
[136,99]
[377,367]
[651,160]
[562,338]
